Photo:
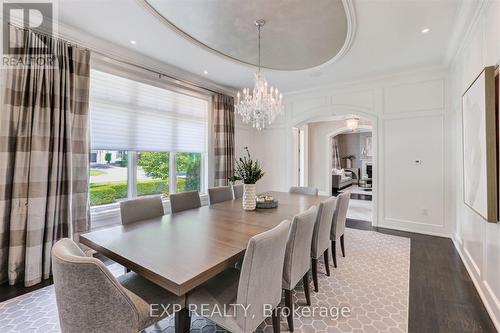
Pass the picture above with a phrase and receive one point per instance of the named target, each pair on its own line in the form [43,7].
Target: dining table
[183,250]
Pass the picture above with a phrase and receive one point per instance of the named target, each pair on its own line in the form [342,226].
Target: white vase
[249,197]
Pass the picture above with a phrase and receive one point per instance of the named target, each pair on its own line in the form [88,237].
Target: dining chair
[220,194]
[237,190]
[90,299]
[256,289]
[304,190]
[298,258]
[184,201]
[338,224]
[141,209]
[321,237]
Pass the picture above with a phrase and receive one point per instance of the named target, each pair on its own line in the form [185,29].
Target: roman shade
[132,115]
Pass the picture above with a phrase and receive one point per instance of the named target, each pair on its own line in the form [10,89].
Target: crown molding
[114,52]
[350,35]
[465,21]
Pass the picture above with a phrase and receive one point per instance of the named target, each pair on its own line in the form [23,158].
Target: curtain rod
[181,82]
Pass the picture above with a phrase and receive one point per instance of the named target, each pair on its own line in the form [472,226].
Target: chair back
[304,190]
[340,215]
[220,194]
[88,297]
[238,191]
[322,227]
[260,278]
[141,209]
[184,201]
[298,248]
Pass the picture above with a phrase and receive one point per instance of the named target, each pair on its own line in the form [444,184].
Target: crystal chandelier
[352,123]
[260,106]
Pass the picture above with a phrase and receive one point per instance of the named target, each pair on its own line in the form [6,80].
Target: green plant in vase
[250,172]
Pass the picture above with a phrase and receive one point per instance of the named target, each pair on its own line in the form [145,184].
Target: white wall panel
[411,97]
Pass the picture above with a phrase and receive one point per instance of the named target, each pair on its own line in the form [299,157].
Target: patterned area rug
[370,286]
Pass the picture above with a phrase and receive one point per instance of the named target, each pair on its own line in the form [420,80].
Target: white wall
[477,241]
[407,196]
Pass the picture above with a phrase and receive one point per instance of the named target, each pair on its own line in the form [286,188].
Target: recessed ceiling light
[133,42]
[205,72]
[426,30]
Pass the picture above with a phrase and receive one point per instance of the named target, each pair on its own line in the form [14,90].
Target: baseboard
[430,233]
[480,290]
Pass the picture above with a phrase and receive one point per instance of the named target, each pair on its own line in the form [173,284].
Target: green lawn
[97,172]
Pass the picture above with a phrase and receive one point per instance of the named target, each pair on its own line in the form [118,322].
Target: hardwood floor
[442,296]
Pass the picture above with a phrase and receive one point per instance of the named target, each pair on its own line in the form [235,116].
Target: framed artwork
[479,132]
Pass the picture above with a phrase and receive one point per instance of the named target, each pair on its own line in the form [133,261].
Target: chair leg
[289,305]
[276,320]
[305,282]
[334,253]
[315,274]
[342,245]
[182,321]
[327,262]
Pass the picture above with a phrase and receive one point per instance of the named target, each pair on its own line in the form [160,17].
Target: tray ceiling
[298,34]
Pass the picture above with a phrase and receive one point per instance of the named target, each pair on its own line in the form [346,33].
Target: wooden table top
[181,251]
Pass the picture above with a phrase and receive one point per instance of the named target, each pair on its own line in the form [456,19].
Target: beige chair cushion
[304,190]
[298,248]
[184,201]
[141,209]
[90,299]
[258,284]
[340,215]
[322,227]
[220,194]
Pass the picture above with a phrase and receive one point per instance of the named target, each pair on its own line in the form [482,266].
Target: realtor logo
[17,19]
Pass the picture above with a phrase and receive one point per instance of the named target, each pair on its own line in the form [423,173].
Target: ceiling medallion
[261,106]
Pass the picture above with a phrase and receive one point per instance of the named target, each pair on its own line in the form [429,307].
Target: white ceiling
[388,38]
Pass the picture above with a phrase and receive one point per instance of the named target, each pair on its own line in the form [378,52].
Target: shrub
[145,187]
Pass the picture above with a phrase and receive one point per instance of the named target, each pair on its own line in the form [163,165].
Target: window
[108,177]
[153,173]
[146,139]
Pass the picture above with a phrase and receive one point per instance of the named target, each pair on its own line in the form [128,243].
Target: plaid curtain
[335,154]
[44,148]
[223,122]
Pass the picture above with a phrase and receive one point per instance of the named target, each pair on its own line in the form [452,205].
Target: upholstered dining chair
[90,299]
[141,209]
[220,194]
[321,237]
[184,201]
[338,224]
[256,287]
[237,191]
[304,190]
[298,258]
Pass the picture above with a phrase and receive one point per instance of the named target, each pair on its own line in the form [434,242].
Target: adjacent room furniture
[184,201]
[354,174]
[338,224]
[341,181]
[304,190]
[220,194]
[255,287]
[90,299]
[141,209]
[238,190]
[183,250]
[298,258]
[321,237]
